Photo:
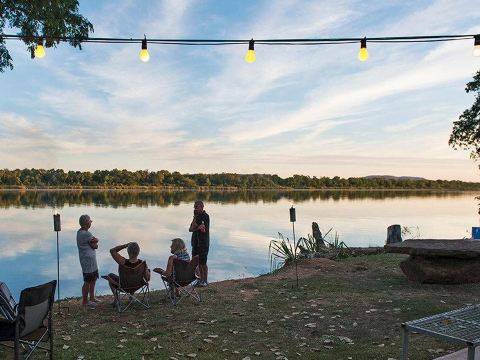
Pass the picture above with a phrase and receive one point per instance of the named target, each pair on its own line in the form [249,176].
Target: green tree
[50,20]
[466,130]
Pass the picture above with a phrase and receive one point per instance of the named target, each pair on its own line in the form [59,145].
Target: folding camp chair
[8,305]
[132,287]
[33,321]
[180,284]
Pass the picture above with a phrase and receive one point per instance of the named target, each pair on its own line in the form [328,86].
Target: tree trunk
[317,235]
[394,234]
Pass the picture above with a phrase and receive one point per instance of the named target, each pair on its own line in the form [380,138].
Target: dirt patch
[306,269]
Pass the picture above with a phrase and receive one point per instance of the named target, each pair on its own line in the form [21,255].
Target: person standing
[200,229]
[87,244]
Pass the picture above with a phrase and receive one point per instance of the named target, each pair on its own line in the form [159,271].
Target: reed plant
[281,251]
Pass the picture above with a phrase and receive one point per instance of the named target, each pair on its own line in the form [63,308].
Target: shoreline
[223,189]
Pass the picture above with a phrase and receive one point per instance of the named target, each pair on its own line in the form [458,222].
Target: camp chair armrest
[110,280]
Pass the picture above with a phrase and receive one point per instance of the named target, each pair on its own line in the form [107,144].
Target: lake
[242,225]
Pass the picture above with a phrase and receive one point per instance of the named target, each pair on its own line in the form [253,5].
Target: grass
[351,309]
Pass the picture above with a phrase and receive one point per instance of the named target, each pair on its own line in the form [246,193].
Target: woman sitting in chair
[132,250]
[179,251]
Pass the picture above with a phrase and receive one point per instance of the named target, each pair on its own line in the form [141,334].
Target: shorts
[89,277]
[202,253]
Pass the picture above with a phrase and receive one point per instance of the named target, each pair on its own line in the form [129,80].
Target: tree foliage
[50,20]
[466,130]
[105,179]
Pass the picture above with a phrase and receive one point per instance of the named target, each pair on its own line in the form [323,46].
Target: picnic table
[461,326]
[439,261]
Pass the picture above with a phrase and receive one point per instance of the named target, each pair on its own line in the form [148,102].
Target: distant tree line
[121,179]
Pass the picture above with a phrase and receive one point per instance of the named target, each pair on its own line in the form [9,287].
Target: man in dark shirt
[200,229]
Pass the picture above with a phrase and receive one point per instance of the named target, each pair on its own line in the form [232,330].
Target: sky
[311,110]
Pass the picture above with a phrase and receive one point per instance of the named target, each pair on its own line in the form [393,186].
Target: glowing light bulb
[363,53]
[476,47]
[144,55]
[250,57]
[39,51]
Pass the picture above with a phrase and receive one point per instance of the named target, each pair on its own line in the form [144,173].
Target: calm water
[242,224]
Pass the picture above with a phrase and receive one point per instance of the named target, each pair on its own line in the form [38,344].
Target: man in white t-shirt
[87,244]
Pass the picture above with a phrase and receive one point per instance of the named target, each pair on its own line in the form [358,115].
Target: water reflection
[126,198]
[242,225]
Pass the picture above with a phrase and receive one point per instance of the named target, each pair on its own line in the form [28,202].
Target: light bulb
[39,51]
[476,47]
[144,55]
[363,53]
[250,57]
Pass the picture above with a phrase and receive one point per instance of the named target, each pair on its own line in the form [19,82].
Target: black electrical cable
[294,41]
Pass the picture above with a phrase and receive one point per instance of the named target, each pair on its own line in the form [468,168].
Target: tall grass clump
[281,251]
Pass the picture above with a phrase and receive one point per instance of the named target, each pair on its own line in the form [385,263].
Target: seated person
[179,251]
[133,250]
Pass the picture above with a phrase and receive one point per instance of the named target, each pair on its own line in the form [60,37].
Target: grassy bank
[350,309]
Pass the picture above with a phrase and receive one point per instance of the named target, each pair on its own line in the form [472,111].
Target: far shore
[233,189]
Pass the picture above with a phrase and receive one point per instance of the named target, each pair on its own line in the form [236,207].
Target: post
[394,234]
[58,273]
[293,218]
[57,227]
[404,339]
[471,352]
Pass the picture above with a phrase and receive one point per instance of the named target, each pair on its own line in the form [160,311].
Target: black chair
[132,287]
[8,305]
[33,321]
[181,283]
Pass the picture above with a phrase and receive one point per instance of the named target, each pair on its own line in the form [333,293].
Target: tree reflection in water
[125,198]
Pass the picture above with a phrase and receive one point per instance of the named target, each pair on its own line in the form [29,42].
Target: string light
[476,46]
[363,53]
[250,57]
[144,55]
[39,50]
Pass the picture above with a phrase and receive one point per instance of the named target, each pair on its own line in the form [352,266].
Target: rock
[429,270]
[459,249]
[440,261]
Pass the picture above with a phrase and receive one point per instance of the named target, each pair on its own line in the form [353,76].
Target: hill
[391,177]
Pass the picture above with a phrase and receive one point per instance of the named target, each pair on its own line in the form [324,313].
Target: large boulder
[441,270]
